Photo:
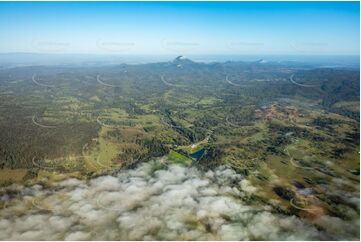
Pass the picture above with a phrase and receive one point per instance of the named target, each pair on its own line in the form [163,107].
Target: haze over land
[179,121]
[236,145]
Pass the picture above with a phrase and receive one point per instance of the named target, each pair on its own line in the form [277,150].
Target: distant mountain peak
[180,57]
[180,61]
[261,61]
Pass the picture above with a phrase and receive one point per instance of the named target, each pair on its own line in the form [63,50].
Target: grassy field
[274,132]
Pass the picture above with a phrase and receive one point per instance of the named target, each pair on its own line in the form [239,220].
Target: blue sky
[181,27]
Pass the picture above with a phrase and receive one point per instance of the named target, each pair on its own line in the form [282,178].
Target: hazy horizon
[29,59]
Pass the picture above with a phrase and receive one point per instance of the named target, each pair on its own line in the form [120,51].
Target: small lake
[198,154]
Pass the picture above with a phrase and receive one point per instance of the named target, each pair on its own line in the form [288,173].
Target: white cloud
[173,203]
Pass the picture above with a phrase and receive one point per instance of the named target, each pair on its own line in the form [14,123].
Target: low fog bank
[156,202]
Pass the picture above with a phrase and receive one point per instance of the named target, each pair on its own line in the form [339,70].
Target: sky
[156,28]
